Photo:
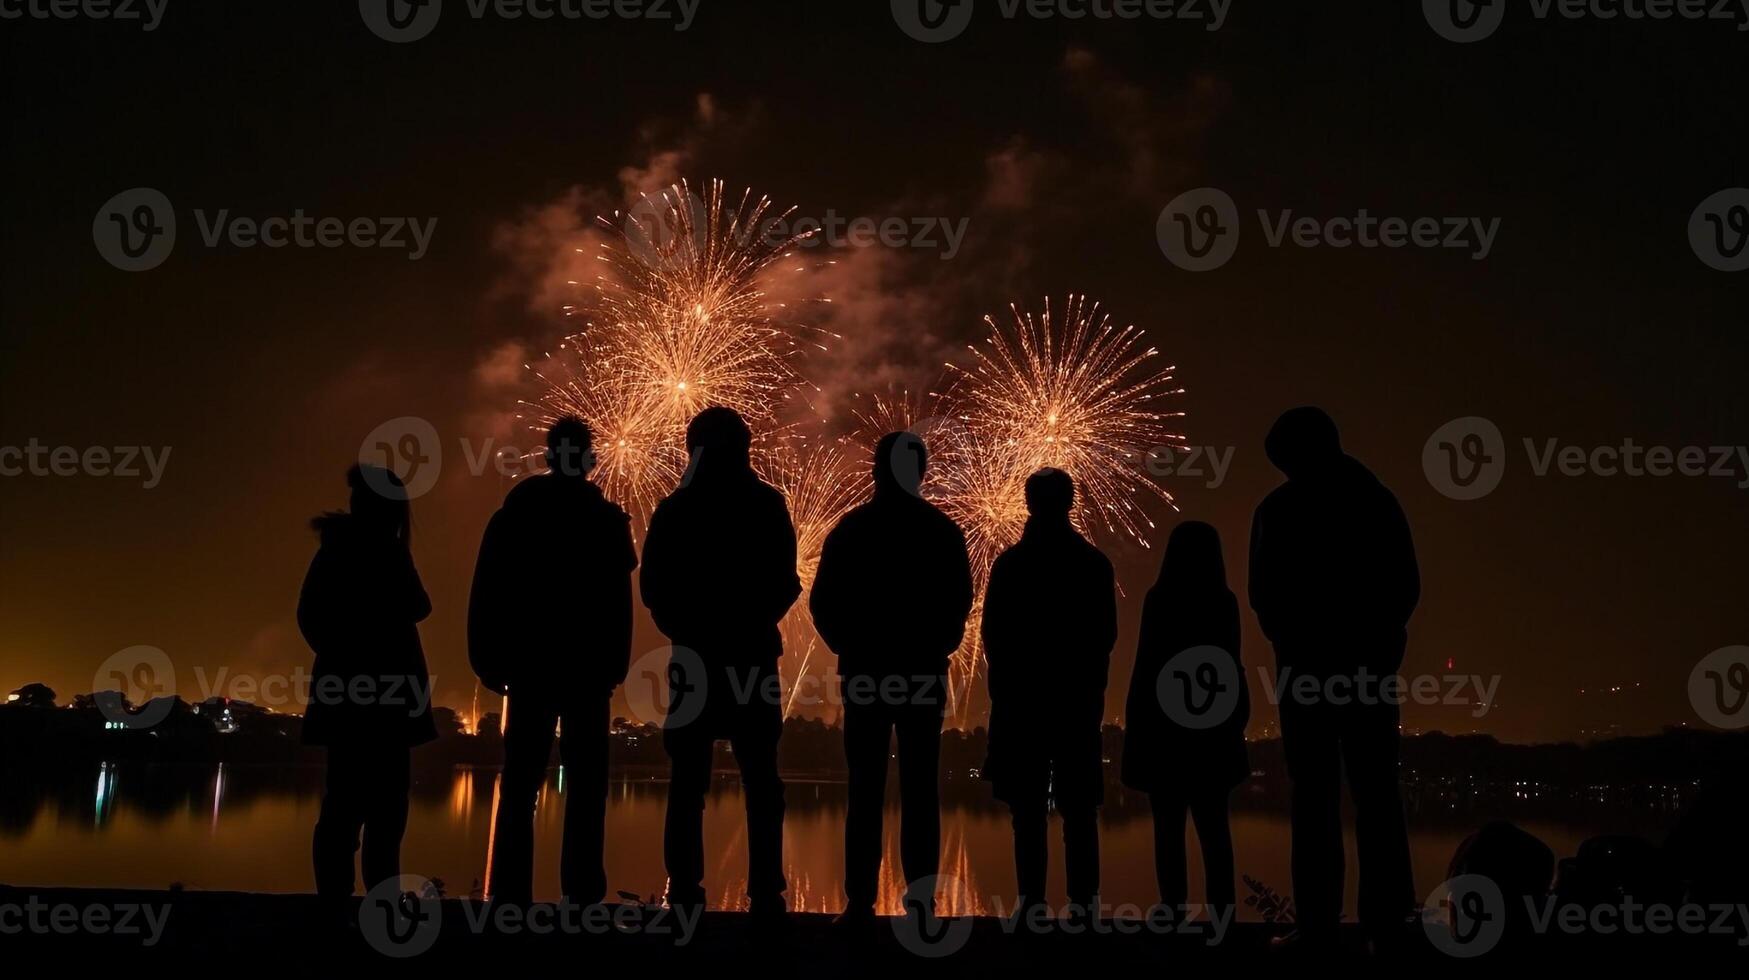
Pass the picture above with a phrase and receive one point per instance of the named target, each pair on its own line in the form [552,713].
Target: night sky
[1591,321]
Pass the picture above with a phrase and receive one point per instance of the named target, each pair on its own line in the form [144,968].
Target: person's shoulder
[1095,558]
[856,520]
[1283,493]
[939,519]
[527,490]
[768,496]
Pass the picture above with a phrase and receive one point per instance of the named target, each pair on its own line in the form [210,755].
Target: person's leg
[867,733]
[758,727]
[1169,861]
[583,747]
[1032,851]
[528,742]
[1215,835]
[1081,854]
[1314,765]
[689,755]
[1370,749]
[386,821]
[337,827]
[920,799]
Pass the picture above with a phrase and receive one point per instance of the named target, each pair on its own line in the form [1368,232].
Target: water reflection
[236,827]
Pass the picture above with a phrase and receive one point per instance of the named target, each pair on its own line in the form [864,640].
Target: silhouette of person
[1333,582]
[1050,620]
[370,702]
[550,624]
[1183,760]
[719,574]
[891,597]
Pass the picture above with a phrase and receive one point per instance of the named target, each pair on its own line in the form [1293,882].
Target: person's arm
[656,577]
[1230,640]
[1105,629]
[959,596]
[785,581]
[488,621]
[416,602]
[1144,671]
[1261,584]
[618,595]
[996,627]
[315,608]
[1404,584]
[827,600]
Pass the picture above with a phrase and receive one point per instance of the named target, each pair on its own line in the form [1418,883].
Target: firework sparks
[680,318]
[822,483]
[1076,393]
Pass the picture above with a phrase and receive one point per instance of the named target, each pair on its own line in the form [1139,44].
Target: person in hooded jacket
[1050,620]
[719,574]
[891,597]
[370,691]
[550,625]
[1333,580]
[1184,735]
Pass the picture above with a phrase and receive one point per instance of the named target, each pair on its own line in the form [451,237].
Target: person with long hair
[370,694]
[1184,741]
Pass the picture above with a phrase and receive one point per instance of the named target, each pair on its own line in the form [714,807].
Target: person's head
[1050,494]
[571,447]
[718,437]
[1193,559]
[900,460]
[1303,442]
[379,502]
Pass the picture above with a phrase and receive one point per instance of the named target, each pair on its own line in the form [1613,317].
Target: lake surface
[248,829]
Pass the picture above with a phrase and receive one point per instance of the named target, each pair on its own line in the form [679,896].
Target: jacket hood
[1303,442]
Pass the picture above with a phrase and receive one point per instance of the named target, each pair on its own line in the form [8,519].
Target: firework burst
[1074,392]
[681,317]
